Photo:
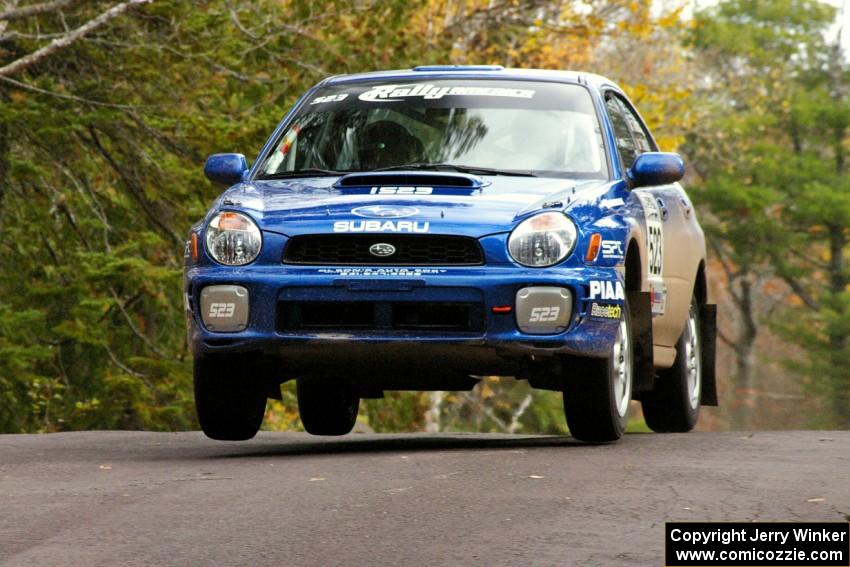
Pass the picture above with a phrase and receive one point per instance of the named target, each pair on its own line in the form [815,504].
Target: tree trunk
[837,332]
[744,348]
[839,379]
[5,138]
[432,416]
[5,148]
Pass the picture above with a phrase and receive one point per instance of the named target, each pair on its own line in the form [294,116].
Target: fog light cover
[224,308]
[543,310]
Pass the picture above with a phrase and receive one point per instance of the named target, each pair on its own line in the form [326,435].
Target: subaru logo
[382,249]
[385,212]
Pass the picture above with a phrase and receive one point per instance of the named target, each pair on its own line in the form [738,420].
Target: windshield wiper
[307,172]
[473,169]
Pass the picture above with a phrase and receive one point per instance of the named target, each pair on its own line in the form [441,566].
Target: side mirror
[656,168]
[226,169]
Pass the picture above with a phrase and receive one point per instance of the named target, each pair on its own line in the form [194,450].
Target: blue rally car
[416,230]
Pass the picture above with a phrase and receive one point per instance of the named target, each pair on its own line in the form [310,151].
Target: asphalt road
[128,498]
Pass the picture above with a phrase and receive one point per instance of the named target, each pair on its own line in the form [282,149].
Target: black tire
[229,397]
[326,407]
[594,392]
[673,405]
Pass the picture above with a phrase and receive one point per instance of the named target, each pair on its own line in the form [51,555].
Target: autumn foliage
[103,134]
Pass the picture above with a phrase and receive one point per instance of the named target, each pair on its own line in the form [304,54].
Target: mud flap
[708,334]
[641,312]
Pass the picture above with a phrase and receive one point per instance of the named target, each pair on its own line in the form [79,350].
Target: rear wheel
[326,407]
[230,399]
[673,405]
[596,403]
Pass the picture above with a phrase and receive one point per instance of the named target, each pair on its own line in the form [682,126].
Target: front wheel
[596,403]
[229,398]
[673,405]
[326,407]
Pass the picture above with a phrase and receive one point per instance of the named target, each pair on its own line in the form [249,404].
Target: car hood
[320,205]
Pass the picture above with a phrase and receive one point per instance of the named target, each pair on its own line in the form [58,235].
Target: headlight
[542,240]
[233,239]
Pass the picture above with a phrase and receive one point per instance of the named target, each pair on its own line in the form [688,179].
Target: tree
[773,204]
[59,40]
[819,129]
[107,109]
[101,141]
[101,180]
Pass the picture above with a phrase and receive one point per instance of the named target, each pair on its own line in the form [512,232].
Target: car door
[672,248]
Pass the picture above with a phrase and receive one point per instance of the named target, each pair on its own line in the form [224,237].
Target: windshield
[499,127]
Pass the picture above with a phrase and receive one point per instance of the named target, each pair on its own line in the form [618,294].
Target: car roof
[475,72]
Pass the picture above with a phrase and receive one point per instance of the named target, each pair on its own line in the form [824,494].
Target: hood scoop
[398,179]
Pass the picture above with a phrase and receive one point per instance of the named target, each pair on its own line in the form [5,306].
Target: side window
[622,132]
[642,142]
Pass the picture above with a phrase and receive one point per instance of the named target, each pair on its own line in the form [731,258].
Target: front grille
[380,316]
[410,250]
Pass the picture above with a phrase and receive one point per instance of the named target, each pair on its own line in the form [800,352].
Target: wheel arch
[708,332]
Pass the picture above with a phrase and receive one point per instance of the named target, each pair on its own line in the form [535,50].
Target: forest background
[108,110]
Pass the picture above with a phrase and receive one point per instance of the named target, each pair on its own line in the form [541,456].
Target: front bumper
[491,286]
